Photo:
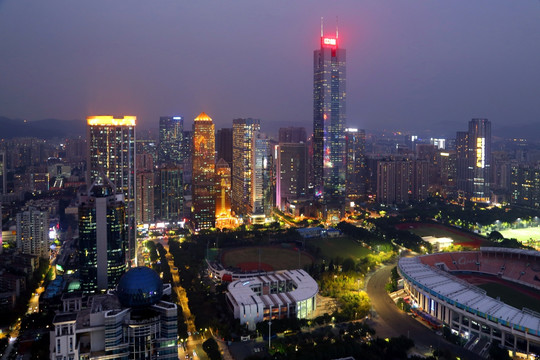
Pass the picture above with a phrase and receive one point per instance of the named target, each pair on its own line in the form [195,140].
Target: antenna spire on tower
[337,27]
[322,33]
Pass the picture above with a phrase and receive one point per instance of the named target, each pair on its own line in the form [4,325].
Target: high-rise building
[223,200]
[33,232]
[3,173]
[260,179]
[329,121]
[473,149]
[145,196]
[171,130]
[291,172]
[172,193]
[203,173]
[102,237]
[356,163]
[402,180]
[244,133]
[224,144]
[111,155]
[292,134]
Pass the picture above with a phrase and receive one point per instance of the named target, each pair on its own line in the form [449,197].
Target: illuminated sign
[329,41]
[480,152]
[177,118]
[111,121]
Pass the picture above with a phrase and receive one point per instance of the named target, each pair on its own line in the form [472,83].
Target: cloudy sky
[411,64]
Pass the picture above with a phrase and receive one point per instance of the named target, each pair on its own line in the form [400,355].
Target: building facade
[102,238]
[171,131]
[203,173]
[291,173]
[33,232]
[172,193]
[244,134]
[329,121]
[111,155]
[356,163]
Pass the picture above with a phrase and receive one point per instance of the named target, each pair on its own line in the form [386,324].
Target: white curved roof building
[467,309]
[278,295]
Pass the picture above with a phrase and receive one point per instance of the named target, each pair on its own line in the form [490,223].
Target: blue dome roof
[139,287]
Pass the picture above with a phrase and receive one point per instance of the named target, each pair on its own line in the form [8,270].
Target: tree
[495,236]
[211,348]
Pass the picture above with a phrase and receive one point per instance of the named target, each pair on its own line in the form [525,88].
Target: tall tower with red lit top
[329,121]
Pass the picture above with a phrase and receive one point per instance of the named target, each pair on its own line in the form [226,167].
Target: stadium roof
[468,297]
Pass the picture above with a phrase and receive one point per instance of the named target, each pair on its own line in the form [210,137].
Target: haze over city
[411,64]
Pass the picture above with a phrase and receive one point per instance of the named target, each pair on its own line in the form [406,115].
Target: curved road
[390,321]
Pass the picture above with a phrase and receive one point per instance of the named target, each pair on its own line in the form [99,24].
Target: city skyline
[409,65]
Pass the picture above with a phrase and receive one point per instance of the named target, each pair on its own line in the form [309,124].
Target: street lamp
[269,333]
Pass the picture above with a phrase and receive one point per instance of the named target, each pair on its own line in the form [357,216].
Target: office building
[203,173]
[356,183]
[102,237]
[329,121]
[33,232]
[473,150]
[260,182]
[111,155]
[172,193]
[291,173]
[145,197]
[132,322]
[171,130]
[224,144]
[244,133]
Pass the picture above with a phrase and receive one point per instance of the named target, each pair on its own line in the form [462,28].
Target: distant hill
[43,129]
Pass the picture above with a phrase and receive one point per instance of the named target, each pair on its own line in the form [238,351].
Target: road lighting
[269,333]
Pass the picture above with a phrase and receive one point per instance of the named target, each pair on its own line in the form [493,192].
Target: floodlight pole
[269,334]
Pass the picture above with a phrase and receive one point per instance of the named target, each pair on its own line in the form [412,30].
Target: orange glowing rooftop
[111,121]
[203,117]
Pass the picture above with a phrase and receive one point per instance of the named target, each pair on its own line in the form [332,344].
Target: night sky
[411,64]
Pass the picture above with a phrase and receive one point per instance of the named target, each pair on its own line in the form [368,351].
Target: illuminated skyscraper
[102,237]
[171,130]
[473,149]
[260,179]
[244,133]
[111,155]
[203,173]
[329,122]
[33,232]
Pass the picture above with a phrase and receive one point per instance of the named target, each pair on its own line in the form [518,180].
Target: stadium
[438,291]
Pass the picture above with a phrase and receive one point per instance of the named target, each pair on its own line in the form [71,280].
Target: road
[389,321]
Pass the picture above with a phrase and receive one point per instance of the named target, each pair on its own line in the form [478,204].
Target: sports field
[513,294]
[437,230]
[271,258]
[344,247]
[522,235]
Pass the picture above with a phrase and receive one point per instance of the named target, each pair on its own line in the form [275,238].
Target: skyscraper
[102,237]
[244,133]
[260,179]
[224,141]
[172,193]
[292,134]
[111,156]
[356,163]
[473,149]
[203,173]
[291,172]
[329,159]
[171,130]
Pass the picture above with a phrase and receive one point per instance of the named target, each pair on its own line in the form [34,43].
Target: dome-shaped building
[139,287]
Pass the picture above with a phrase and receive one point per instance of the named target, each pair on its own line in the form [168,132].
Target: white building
[279,295]
[33,232]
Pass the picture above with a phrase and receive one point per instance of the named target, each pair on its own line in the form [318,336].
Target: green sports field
[271,258]
[343,247]
[510,296]
[522,235]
